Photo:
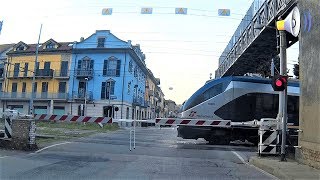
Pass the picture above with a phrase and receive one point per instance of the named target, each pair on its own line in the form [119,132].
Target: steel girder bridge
[255,41]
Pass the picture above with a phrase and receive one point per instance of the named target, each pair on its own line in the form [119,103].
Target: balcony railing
[84,73]
[137,101]
[61,74]
[43,73]
[41,95]
[80,95]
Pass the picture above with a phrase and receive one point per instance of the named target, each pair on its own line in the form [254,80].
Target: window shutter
[79,64]
[105,67]
[112,87]
[103,90]
[118,68]
[91,64]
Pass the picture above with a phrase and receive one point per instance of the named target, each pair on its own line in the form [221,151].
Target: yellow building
[51,77]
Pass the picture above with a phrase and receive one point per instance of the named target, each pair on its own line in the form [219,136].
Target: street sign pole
[283,94]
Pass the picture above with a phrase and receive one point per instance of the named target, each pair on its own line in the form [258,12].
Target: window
[24,85]
[58,110]
[129,88]
[35,87]
[127,113]
[130,66]
[85,63]
[101,41]
[105,90]
[16,69]
[44,90]
[47,68]
[50,45]
[62,87]
[64,68]
[1,72]
[44,87]
[26,66]
[40,110]
[135,71]
[14,87]
[111,67]
[20,48]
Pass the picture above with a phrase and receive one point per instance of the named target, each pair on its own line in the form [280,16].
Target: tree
[265,68]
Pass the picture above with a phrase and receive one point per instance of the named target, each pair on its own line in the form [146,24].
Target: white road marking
[52,146]
[246,163]
[3,157]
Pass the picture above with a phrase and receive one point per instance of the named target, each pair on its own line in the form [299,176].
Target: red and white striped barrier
[193,122]
[72,118]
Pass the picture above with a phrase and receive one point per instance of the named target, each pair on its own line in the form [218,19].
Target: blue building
[107,77]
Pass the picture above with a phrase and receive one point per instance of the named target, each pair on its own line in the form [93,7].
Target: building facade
[108,77]
[51,77]
[3,60]
[97,76]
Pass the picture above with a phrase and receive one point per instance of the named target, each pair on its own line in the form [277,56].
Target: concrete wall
[309,57]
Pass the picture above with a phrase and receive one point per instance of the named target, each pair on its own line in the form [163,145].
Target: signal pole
[283,98]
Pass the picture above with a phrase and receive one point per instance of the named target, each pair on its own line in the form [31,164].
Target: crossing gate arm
[72,118]
[193,122]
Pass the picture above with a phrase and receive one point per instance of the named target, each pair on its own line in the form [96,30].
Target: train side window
[215,90]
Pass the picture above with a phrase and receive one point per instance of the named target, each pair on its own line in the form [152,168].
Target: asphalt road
[159,154]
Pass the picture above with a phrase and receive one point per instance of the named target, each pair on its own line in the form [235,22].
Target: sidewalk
[285,170]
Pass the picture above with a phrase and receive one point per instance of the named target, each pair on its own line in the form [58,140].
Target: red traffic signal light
[279,83]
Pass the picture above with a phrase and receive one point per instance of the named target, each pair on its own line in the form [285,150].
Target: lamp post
[31,110]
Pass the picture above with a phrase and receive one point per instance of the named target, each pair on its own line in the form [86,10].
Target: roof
[4,47]
[31,48]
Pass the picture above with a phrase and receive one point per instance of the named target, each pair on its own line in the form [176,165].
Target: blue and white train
[241,99]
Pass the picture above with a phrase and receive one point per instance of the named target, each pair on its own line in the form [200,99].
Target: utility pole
[283,98]
[31,110]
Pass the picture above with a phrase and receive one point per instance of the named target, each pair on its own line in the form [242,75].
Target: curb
[269,169]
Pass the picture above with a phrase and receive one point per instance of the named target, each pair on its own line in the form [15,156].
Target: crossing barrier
[193,122]
[7,128]
[72,118]
[269,136]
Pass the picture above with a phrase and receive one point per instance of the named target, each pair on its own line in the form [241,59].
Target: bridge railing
[246,33]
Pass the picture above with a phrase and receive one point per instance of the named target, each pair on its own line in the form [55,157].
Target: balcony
[40,73]
[137,101]
[84,73]
[146,104]
[37,96]
[44,73]
[80,95]
[61,74]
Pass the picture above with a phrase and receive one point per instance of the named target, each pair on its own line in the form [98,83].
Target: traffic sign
[146,10]
[224,12]
[181,10]
[106,11]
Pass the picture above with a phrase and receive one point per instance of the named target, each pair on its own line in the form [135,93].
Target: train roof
[293,83]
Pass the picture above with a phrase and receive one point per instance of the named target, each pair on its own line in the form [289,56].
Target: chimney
[81,39]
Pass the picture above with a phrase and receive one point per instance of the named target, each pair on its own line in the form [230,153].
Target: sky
[181,50]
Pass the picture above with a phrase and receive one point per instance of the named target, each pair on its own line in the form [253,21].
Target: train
[242,99]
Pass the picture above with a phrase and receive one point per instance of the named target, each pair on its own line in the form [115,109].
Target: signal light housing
[279,83]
